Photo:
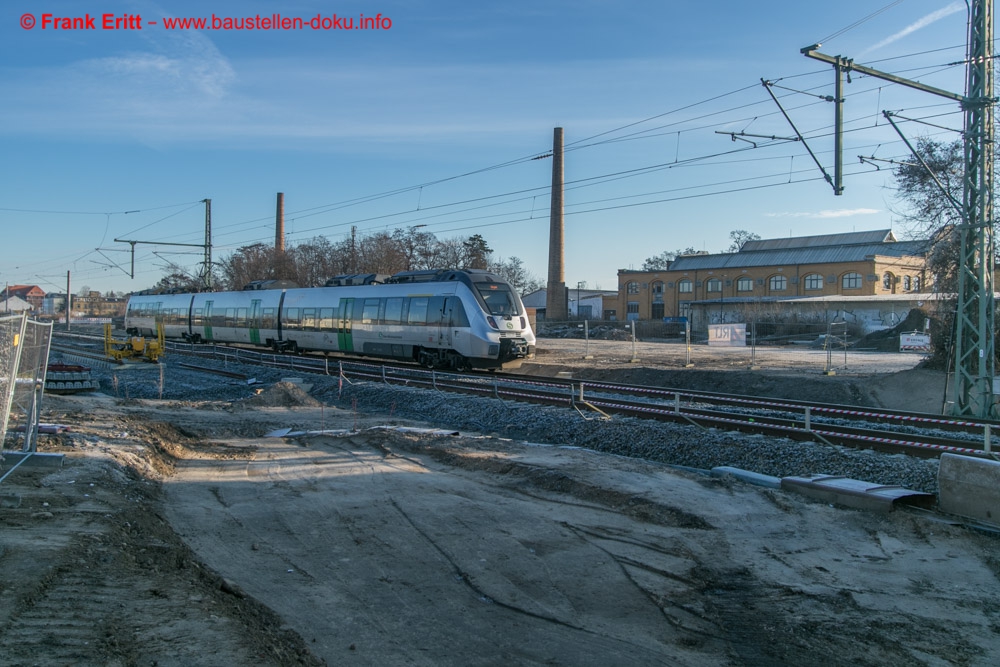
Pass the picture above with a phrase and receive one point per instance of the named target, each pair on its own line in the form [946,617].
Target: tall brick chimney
[556,306]
[279,225]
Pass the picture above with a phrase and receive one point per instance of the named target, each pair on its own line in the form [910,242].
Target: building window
[851,281]
[657,289]
[656,311]
[916,283]
[713,285]
[633,307]
[684,309]
[744,285]
[632,288]
[685,286]
[814,281]
[907,285]
[778,283]
[886,281]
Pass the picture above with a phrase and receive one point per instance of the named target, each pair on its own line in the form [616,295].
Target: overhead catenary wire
[606,137]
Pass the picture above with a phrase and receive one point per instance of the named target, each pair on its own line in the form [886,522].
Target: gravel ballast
[668,443]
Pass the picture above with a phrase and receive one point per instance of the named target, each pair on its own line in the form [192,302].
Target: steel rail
[654,402]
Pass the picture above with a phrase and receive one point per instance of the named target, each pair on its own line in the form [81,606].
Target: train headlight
[493,322]
[524,325]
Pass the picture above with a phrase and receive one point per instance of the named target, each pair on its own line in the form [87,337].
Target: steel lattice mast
[974,321]
[974,349]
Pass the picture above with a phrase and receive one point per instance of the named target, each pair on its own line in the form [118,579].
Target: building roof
[821,249]
[14,304]
[23,290]
[818,255]
[821,241]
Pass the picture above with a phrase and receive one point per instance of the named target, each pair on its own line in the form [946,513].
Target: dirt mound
[887,340]
[282,395]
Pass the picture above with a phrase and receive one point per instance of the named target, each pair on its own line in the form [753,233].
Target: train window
[418,310]
[291,320]
[393,310]
[309,319]
[499,299]
[326,318]
[242,317]
[455,312]
[435,311]
[230,317]
[267,319]
[369,315]
[197,318]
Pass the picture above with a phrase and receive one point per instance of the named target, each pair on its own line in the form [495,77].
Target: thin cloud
[931,18]
[826,215]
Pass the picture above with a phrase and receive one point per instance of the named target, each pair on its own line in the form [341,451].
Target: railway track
[915,434]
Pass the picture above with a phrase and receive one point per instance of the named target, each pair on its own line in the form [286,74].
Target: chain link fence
[24,357]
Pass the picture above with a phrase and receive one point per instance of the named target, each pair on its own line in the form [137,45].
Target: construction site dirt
[177,533]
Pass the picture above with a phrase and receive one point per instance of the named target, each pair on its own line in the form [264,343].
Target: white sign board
[919,342]
[727,335]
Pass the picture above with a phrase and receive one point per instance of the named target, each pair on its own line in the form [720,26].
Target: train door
[208,320]
[345,342]
[254,323]
[445,323]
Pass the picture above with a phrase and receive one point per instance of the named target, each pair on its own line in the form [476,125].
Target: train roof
[467,276]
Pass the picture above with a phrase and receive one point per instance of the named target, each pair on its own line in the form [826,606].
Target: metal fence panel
[24,358]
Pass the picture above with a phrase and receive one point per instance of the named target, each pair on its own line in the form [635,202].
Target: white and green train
[457,319]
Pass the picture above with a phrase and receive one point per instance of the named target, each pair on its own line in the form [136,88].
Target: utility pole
[354,250]
[207,270]
[69,302]
[975,365]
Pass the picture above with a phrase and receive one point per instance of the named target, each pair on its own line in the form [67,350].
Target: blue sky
[120,133]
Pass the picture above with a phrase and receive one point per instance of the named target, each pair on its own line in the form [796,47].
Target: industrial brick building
[853,264]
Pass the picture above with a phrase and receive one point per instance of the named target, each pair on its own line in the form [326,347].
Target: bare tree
[246,264]
[515,273]
[380,253]
[448,254]
[662,261]
[417,248]
[178,280]
[739,237]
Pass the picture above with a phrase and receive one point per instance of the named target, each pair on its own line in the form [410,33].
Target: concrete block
[970,487]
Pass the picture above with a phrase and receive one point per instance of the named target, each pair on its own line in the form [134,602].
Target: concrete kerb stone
[970,487]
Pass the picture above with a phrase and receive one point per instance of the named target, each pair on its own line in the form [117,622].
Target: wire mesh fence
[24,355]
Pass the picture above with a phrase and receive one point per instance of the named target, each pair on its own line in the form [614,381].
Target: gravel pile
[673,444]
